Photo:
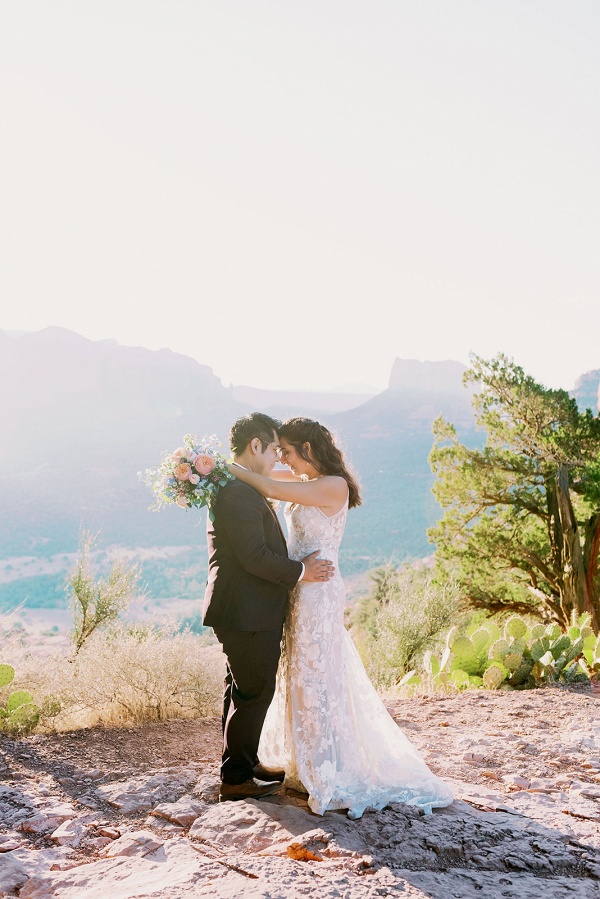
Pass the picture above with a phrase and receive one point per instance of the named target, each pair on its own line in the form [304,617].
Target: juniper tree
[521,527]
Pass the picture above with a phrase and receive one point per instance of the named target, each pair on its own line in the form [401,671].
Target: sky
[296,193]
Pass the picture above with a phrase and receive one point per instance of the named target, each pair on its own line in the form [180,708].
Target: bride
[327,727]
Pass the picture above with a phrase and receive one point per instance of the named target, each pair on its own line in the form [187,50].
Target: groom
[249,581]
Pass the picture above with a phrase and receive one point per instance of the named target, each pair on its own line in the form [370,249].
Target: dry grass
[126,675]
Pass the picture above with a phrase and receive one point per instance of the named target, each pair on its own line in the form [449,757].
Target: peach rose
[204,463]
[182,471]
[181,501]
[194,479]
[178,454]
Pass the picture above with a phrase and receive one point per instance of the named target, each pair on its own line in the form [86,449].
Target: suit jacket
[250,575]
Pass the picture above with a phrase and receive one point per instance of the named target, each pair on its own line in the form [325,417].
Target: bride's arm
[327,491]
[281,474]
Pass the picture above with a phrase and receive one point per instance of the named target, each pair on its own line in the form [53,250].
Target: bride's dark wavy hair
[324,454]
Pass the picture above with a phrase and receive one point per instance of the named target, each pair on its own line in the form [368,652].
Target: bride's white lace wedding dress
[326,726]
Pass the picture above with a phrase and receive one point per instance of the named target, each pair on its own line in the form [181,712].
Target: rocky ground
[131,813]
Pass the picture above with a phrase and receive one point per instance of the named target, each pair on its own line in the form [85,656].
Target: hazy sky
[297,191]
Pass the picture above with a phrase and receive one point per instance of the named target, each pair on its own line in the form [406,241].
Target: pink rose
[178,454]
[204,463]
[194,479]
[191,457]
[182,471]
[181,501]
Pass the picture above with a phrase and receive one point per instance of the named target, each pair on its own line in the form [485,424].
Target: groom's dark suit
[249,580]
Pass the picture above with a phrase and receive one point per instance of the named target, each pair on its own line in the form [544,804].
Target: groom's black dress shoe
[261,772]
[250,789]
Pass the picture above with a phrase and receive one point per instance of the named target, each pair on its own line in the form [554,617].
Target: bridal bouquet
[190,477]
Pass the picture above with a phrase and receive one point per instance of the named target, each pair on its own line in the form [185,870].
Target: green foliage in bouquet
[520,657]
[21,713]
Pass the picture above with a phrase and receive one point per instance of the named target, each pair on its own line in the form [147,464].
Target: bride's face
[290,457]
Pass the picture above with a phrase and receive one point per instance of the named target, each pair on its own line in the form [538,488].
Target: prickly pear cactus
[7,674]
[553,631]
[481,640]
[515,627]
[465,656]
[499,649]
[521,658]
[519,646]
[20,697]
[560,645]
[494,676]
[451,636]
[431,663]
[512,660]
[575,650]
[23,718]
[523,673]
[493,630]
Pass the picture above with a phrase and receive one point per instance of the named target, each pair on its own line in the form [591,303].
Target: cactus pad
[498,649]
[24,717]
[515,627]
[553,631]
[7,673]
[519,645]
[537,631]
[465,656]
[451,637]
[493,630]
[19,698]
[481,639]
[431,663]
[512,660]
[522,673]
[493,677]
[560,645]
[461,645]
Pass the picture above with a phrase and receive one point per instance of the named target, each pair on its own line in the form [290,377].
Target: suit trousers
[252,661]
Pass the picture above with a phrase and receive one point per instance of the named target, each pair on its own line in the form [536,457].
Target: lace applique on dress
[326,725]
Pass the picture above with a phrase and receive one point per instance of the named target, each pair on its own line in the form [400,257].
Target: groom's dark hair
[245,429]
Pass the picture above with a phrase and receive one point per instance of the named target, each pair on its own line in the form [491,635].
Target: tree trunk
[556,546]
[591,550]
[574,588]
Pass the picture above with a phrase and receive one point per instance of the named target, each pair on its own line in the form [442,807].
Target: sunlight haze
[295,194]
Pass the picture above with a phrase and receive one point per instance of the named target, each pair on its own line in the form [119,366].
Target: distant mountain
[434,377]
[296,402]
[587,390]
[79,419]
[389,439]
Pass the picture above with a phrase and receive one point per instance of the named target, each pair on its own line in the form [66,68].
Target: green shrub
[412,619]
[98,601]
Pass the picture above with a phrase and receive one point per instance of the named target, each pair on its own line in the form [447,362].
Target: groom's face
[264,463]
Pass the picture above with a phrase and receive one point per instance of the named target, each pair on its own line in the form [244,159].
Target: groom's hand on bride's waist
[317,569]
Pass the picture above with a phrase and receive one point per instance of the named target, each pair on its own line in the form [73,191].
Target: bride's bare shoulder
[336,483]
